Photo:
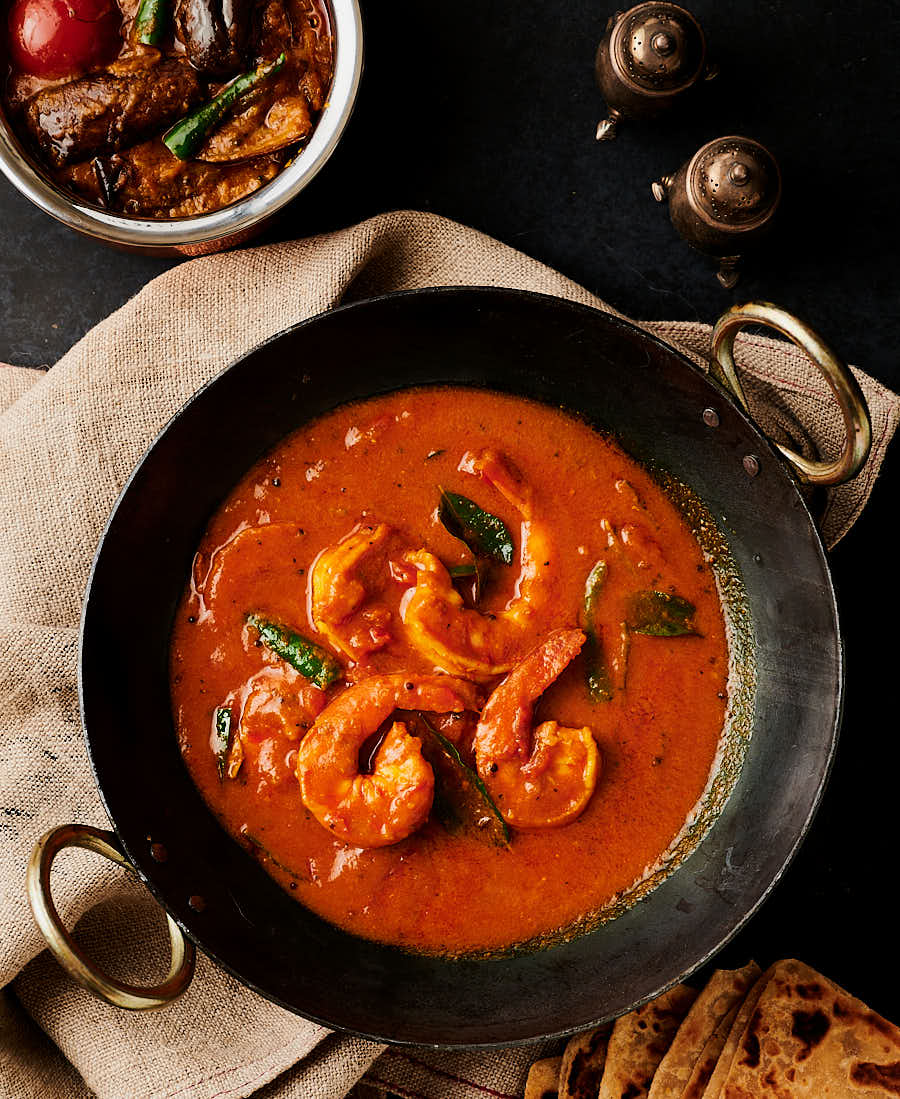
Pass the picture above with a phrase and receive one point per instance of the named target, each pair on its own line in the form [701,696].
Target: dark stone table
[487,115]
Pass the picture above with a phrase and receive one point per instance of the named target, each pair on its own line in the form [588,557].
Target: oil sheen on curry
[454,667]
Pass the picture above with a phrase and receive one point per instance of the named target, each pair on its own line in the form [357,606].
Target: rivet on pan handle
[843,385]
[69,955]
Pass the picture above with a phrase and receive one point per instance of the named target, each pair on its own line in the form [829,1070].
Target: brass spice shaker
[649,57]
[723,199]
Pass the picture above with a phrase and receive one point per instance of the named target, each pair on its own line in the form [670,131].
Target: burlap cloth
[68,439]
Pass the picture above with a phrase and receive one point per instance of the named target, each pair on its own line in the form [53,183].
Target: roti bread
[582,1064]
[742,1017]
[805,1038]
[543,1078]
[723,993]
[639,1041]
[702,1071]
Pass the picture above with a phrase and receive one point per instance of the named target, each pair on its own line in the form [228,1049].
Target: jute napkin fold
[68,440]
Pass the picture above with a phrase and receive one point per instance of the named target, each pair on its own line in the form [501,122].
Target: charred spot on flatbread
[809,1028]
[751,1046]
[867,1074]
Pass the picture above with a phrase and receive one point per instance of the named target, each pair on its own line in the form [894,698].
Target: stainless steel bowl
[221,229]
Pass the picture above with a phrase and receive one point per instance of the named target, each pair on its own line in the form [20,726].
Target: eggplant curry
[165,108]
[454,667]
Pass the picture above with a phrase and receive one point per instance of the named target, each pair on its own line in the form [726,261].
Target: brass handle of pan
[850,399]
[67,952]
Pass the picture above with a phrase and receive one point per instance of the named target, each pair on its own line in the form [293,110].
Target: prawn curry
[454,667]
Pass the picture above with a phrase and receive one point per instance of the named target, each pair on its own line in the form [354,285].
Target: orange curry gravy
[382,460]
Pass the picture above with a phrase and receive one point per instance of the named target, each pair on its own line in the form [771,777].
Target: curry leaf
[461,800]
[659,614]
[485,534]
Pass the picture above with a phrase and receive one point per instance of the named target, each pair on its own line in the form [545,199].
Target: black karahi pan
[666,413]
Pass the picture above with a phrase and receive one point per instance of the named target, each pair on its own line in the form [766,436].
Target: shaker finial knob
[663,43]
[650,56]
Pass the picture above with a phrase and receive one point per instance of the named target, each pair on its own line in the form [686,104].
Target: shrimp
[541,777]
[345,584]
[275,706]
[460,640]
[386,806]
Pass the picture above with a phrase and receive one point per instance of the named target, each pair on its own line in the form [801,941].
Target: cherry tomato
[53,38]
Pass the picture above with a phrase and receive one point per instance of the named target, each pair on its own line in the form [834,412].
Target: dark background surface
[486,115]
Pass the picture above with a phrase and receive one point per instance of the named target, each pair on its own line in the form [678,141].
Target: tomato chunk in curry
[455,668]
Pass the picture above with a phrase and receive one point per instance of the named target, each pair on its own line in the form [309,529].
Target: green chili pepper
[599,680]
[150,22]
[222,739]
[311,661]
[186,136]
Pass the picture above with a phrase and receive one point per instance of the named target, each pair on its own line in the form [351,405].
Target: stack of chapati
[785,1033]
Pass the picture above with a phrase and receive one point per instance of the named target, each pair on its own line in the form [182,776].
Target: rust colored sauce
[382,460]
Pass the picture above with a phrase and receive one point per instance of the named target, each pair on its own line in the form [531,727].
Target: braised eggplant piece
[147,180]
[106,111]
[215,34]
